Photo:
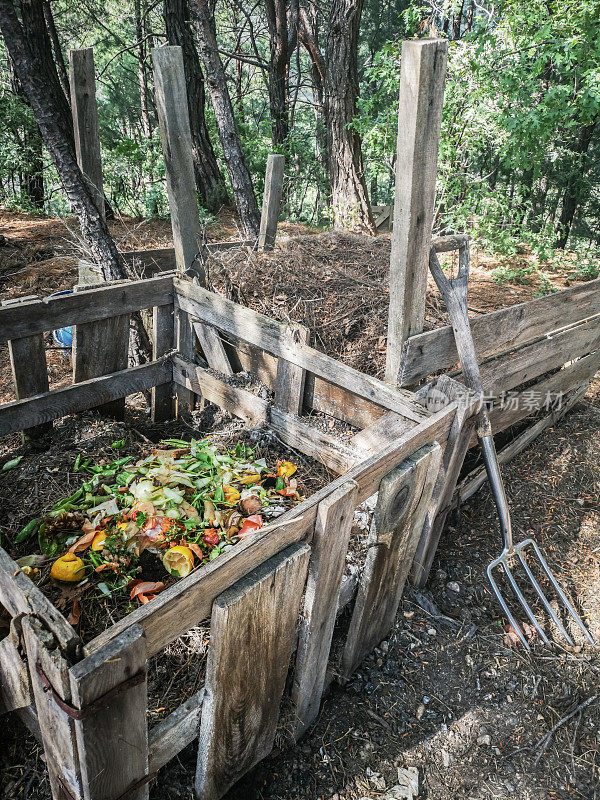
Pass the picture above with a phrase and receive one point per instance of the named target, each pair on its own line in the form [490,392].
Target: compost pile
[131,528]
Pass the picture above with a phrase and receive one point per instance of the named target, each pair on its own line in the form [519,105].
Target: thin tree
[209,180]
[36,84]
[229,135]
[282,19]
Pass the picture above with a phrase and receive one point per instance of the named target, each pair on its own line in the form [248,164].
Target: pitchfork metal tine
[540,593]
[559,590]
[513,622]
[524,602]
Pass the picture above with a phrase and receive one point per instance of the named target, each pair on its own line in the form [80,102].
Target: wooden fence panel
[251,638]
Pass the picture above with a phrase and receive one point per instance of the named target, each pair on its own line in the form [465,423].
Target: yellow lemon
[179,561]
[68,568]
[98,541]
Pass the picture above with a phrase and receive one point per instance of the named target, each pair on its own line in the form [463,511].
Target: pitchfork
[454,292]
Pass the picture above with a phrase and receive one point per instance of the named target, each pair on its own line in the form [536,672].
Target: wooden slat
[262,331]
[29,370]
[533,399]
[404,495]
[447,390]
[37,316]
[379,434]
[213,348]
[290,380]
[271,201]
[101,348]
[419,124]
[506,329]
[163,620]
[174,123]
[113,742]
[163,337]
[477,477]
[334,520]
[169,737]
[16,415]
[15,683]
[57,729]
[256,617]
[84,108]
[503,373]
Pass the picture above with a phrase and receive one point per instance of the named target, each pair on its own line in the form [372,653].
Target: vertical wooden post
[85,120]
[112,740]
[290,379]
[29,369]
[419,124]
[404,496]
[325,569]
[271,201]
[84,109]
[163,334]
[251,636]
[174,122]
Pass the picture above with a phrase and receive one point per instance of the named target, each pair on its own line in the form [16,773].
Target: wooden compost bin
[275,593]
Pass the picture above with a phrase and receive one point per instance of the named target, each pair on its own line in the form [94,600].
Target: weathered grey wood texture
[163,342]
[169,737]
[404,495]
[256,617]
[501,331]
[271,201]
[174,123]
[84,109]
[290,380]
[29,369]
[325,569]
[112,742]
[419,125]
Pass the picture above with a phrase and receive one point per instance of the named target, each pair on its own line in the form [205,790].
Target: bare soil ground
[446,692]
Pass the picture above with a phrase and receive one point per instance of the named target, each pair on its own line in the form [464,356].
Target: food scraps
[181,506]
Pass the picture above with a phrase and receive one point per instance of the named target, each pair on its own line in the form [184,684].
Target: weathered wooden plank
[477,477]
[169,737]
[264,332]
[404,495]
[19,414]
[19,595]
[240,712]
[168,616]
[15,683]
[147,263]
[325,569]
[213,348]
[502,330]
[239,402]
[101,348]
[113,741]
[289,383]
[379,434]
[84,109]
[419,125]
[271,201]
[37,316]
[57,729]
[504,372]
[29,370]
[542,394]
[313,442]
[174,123]
[447,391]
[163,339]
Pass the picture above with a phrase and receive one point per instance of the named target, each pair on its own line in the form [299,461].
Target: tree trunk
[142,77]
[574,189]
[57,136]
[209,180]
[216,80]
[307,33]
[58,53]
[283,35]
[349,198]
[456,21]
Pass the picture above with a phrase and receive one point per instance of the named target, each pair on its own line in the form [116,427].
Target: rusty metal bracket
[91,708]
